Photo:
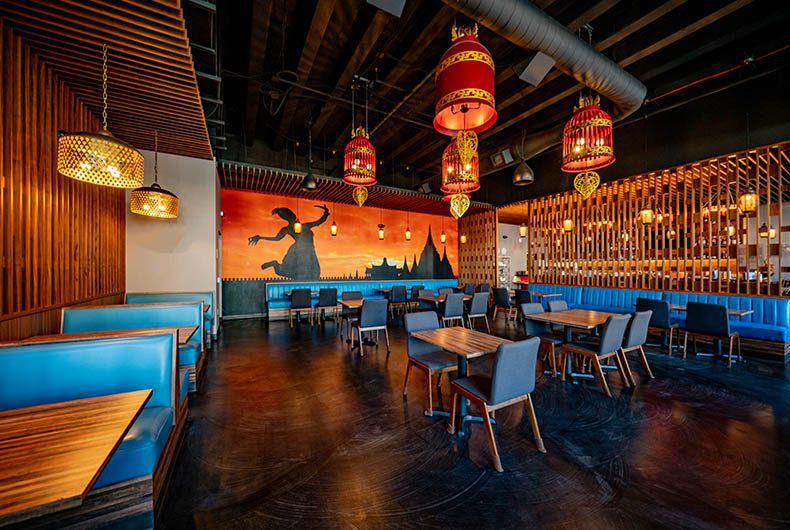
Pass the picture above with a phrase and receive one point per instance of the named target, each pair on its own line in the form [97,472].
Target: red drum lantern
[460,172]
[359,164]
[464,85]
[587,138]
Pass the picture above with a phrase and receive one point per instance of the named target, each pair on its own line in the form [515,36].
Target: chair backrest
[636,334]
[454,305]
[501,297]
[479,304]
[427,292]
[415,291]
[557,305]
[327,297]
[484,288]
[446,290]
[373,314]
[711,319]
[469,288]
[180,296]
[301,299]
[522,297]
[533,327]
[660,309]
[613,333]
[513,374]
[398,294]
[424,320]
[351,295]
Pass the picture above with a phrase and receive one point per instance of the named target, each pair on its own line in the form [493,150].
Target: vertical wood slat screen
[477,257]
[62,242]
[698,242]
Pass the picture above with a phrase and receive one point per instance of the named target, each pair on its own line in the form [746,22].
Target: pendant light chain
[104,86]
[156,157]
[367,86]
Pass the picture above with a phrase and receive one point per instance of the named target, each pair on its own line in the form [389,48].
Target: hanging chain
[353,115]
[367,86]
[156,157]
[104,86]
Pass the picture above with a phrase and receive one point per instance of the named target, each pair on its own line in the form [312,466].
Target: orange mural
[259,240]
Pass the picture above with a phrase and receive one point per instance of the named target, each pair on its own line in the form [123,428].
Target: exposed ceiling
[286,63]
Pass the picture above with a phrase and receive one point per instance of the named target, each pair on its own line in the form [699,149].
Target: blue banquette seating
[191,356]
[181,296]
[770,320]
[277,298]
[57,369]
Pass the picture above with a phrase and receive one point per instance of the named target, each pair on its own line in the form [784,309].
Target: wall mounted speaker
[534,68]
[393,7]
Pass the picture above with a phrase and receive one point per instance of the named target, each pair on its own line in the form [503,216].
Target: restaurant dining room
[394,264]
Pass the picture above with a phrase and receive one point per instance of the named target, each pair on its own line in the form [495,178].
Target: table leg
[569,363]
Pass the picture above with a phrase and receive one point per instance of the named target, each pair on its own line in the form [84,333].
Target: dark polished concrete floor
[292,430]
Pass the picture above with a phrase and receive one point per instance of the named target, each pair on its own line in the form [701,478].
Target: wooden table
[439,299]
[544,295]
[465,344]
[351,304]
[183,334]
[312,293]
[731,312]
[51,455]
[384,290]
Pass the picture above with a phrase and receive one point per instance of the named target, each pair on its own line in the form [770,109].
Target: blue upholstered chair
[634,340]
[521,297]
[659,320]
[446,290]
[469,288]
[372,317]
[327,299]
[502,303]
[557,305]
[453,309]
[424,355]
[414,297]
[301,300]
[425,305]
[512,381]
[609,346]
[710,321]
[535,328]
[347,314]
[398,300]
[478,309]
[484,288]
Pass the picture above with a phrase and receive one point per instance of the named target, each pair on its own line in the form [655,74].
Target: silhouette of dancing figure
[300,261]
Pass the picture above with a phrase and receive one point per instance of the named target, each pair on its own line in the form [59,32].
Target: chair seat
[477,385]
[437,360]
[183,382]
[140,449]
[318,305]
[550,338]
[189,353]
[585,346]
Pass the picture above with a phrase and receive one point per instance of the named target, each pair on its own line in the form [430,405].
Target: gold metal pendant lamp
[153,200]
[99,157]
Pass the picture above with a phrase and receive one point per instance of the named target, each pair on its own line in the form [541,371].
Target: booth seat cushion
[750,330]
[183,383]
[572,294]
[138,453]
[189,353]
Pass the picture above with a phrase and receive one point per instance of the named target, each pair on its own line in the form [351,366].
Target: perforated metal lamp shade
[153,201]
[100,158]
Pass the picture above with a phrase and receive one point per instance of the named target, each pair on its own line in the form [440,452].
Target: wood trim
[477,258]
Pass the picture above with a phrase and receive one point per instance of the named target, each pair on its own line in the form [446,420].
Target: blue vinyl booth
[770,321]
[55,370]
[278,299]
[207,297]
[191,356]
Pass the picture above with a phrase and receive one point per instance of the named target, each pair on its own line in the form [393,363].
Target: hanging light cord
[156,157]
[104,86]
[367,86]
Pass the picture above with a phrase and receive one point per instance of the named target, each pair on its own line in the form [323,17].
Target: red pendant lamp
[587,138]
[464,85]
[359,158]
[460,172]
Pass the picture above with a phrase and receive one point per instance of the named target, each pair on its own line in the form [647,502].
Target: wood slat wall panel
[477,258]
[62,241]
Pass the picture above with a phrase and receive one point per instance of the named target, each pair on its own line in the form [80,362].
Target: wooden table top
[462,341]
[351,304]
[544,295]
[50,455]
[576,318]
[312,293]
[385,290]
[184,333]
[731,312]
[439,299]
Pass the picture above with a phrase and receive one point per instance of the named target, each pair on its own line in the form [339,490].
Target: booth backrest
[133,316]
[37,373]
[276,297]
[182,296]
[571,294]
[622,300]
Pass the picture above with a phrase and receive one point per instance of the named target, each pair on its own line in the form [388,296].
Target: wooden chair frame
[642,359]
[428,373]
[355,326]
[735,336]
[510,313]
[667,331]
[595,360]
[481,315]
[291,311]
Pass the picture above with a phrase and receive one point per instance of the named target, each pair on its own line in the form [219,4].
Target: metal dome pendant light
[153,200]
[359,157]
[99,157]
[308,182]
[523,176]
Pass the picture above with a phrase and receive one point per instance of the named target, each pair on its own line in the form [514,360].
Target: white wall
[514,247]
[176,254]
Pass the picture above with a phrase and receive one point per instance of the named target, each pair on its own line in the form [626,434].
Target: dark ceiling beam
[315,36]
[259,33]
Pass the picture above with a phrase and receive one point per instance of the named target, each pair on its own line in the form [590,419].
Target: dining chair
[301,300]
[660,321]
[425,305]
[484,288]
[453,309]
[534,328]
[710,321]
[520,297]
[397,299]
[469,288]
[502,303]
[414,301]
[372,317]
[348,314]
[424,355]
[557,305]
[512,381]
[478,309]
[609,346]
[446,290]
[327,299]
[634,340]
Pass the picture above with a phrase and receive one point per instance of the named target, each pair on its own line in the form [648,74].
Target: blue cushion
[570,293]
[183,383]
[436,360]
[189,353]
[138,453]
[604,308]
[477,385]
[756,330]
[206,296]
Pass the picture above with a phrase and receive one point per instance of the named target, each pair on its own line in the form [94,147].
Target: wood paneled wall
[477,257]
[62,241]
[699,241]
